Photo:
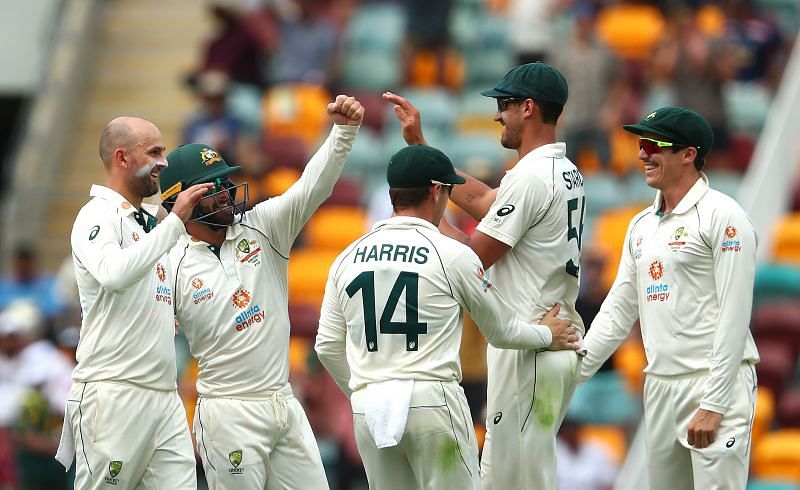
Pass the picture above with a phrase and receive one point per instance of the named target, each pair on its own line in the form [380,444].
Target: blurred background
[252,78]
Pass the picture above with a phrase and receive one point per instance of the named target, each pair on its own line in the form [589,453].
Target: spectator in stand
[760,51]
[697,68]
[597,90]
[212,123]
[530,29]
[308,45]
[583,465]
[25,282]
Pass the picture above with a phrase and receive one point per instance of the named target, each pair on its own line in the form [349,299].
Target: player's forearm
[117,268]
[474,196]
[447,229]
[323,170]
[331,350]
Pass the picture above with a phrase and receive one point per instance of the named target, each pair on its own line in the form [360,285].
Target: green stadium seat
[771,485]
[604,400]
[776,282]
[603,191]
[371,71]
[377,28]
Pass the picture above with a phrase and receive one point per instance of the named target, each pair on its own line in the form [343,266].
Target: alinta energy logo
[731,244]
[200,293]
[163,292]
[658,291]
[250,316]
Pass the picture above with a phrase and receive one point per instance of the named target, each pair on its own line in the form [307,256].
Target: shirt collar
[552,150]
[691,198]
[404,221]
[113,197]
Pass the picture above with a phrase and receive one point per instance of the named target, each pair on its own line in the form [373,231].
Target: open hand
[346,111]
[565,336]
[188,198]
[409,117]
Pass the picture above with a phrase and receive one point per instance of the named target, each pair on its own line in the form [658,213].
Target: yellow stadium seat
[611,437]
[480,435]
[610,229]
[296,110]
[630,30]
[787,239]
[765,413]
[711,20]
[630,361]
[776,455]
[308,272]
[299,348]
[335,227]
[279,180]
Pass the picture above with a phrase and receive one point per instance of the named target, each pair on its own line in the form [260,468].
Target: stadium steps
[143,50]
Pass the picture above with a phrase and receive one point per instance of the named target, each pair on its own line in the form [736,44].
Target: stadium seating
[777,456]
[789,409]
[776,367]
[776,282]
[304,320]
[779,323]
[308,272]
[630,30]
[787,239]
[285,151]
[296,110]
[278,181]
[765,413]
[629,360]
[609,235]
[610,437]
[332,228]
[604,400]
[346,192]
[771,485]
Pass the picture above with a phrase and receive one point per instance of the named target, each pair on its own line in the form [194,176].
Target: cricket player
[421,283]
[686,273]
[124,416]
[232,302]
[530,235]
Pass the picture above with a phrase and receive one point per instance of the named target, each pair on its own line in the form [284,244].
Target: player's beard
[511,138]
[220,219]
[143,183]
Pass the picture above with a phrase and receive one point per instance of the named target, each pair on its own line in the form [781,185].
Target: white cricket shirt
[538,212]
[125,289]
[394,306]
[688,276]
[234,307]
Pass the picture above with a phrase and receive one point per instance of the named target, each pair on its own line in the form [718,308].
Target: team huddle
[391,320]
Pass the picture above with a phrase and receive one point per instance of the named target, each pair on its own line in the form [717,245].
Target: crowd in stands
[261,87]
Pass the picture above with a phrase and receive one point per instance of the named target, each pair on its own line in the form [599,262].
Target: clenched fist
[346,110]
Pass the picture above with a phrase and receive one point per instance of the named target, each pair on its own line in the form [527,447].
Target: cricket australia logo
[235,457]
[248,251]
[251,315]
[200,293]
[209,156]
[731,244]
[658,291]
[678,239]
[114,468]
[135,236]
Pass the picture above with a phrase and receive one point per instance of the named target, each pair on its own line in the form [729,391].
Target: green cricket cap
[418,165]
[537,81]
[192,164]
[678,125]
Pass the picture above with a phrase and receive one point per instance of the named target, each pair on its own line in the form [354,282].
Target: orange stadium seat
[777,456]
[278,181]
[765,413]
[630,361]
[609,235]
[299,348]
[333,228]
[308,272]
[296,110]
[630,30]
[610,437]
[787,239]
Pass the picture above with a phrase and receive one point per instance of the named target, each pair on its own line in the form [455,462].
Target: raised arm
[474,196]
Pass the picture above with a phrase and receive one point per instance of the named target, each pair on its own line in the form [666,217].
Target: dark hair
[699,161]
[407,197]
[551,111]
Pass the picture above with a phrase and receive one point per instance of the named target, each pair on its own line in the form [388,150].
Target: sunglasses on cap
[502,102]
[652,146]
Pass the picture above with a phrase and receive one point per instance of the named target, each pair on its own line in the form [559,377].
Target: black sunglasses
[502,103]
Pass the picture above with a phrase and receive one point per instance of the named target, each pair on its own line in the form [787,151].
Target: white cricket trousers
[527,396]
[670,403]
[260,441]
[438,450]
[129,437]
